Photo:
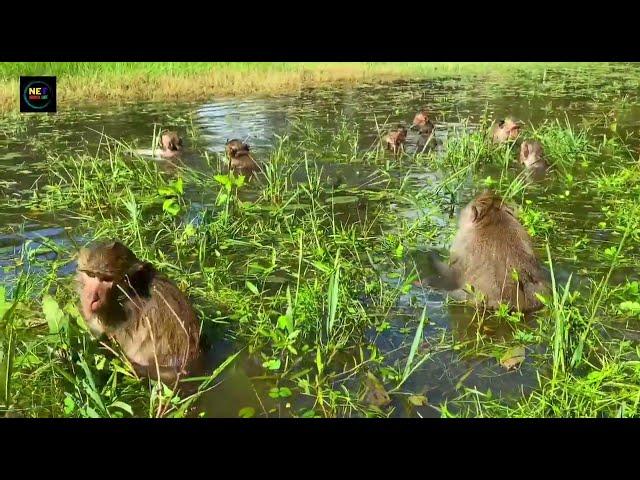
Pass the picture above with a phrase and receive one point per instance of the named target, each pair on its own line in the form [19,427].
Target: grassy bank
[80,82]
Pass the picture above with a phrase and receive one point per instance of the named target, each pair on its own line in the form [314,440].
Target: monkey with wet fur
[493,253]
[395,139]
[170,144]
[240,159]
[145,313]
[506,130]
[532,157]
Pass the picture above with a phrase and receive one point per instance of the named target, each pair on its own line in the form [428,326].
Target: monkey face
[170,141]
[234,146]
[511,129]
[96,292]
[420,119]
[100,267]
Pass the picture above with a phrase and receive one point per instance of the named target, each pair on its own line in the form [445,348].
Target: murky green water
[577,98]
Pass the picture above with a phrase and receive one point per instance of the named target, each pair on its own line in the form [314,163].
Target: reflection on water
[368,109]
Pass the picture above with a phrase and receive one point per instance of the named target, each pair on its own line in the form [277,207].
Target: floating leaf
[273,364]
[284,392]
[512,358]
[247,412]
[418,400]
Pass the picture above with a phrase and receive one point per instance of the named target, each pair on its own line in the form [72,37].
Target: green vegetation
[307,282]
[84,82]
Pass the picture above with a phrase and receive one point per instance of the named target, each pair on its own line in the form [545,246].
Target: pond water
[575,97]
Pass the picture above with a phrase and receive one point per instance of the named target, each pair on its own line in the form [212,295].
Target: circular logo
[37,95]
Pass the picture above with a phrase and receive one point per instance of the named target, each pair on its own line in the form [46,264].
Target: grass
[86,82]
[312,280]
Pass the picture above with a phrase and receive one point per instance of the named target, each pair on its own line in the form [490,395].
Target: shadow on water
[260,121]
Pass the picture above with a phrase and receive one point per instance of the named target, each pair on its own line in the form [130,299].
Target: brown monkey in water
[506,130]
[532,157]
[422,122]
[240,160]
[395,139]
[170,144]
[144,312]
[493,253]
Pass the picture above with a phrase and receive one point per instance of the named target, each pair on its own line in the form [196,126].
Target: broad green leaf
[55,317]
[171,206]
[123,406]
[252,288]
[273,364]
[247,412]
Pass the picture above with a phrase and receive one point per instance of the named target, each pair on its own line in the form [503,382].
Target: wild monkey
[127,300]
[493,253]
[170,144]
[506,130]
[395,139]
[532,157]
[240,158]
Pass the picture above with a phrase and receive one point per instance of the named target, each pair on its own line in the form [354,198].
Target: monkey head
[483,209]
[530,152]
[170,141]
[101,267]
[421,118]
[234,146]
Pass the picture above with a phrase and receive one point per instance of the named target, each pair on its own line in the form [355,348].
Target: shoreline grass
[111,82]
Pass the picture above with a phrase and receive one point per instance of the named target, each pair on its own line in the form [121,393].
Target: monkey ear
[525,149]
[475,213]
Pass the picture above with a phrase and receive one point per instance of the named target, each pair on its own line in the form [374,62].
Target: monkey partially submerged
[240,160]
[422,122]
[532,157]
[493,253]
[506,130]
[170,144]
[145,313]
[395,139]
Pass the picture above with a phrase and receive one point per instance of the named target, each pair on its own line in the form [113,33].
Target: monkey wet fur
[493,253]
[145,313]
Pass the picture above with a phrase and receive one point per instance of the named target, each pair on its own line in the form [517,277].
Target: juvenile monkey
[395,139]
[422,123]
[506,130]
[145,313]
[170,144]
[532,157]
[492,252]
[240,160]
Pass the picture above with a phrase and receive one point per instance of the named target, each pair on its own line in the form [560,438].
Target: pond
[395,211]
